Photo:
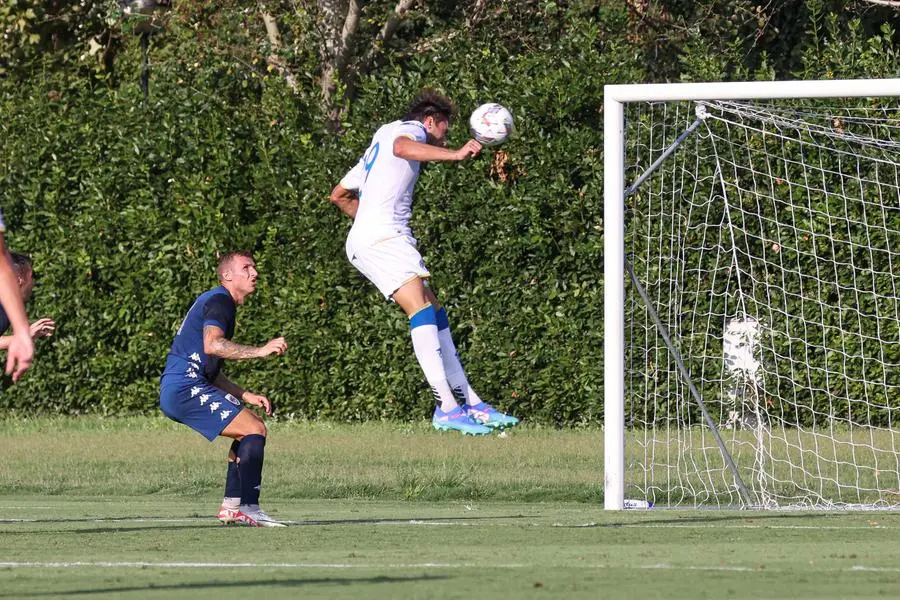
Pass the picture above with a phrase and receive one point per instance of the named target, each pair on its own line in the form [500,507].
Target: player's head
[21,264]
[237,272]
[434,111]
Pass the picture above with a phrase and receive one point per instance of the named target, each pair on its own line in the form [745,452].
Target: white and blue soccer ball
[491,124]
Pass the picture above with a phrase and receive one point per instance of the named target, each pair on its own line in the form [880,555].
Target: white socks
[452,366]
[456,376]
[428,347]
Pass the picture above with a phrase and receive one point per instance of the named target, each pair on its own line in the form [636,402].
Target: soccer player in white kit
[377,193]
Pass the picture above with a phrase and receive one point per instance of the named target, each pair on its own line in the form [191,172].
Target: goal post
[759,302]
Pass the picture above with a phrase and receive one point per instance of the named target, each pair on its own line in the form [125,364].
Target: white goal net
[768,244]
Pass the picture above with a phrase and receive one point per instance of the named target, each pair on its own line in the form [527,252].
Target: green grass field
[123,508]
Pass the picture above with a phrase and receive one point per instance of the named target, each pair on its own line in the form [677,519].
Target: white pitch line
[211,565]
[423,565]
[210,521]
[746,526]
[107,520]
[715,526]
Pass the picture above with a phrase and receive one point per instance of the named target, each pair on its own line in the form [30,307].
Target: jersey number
[369,159]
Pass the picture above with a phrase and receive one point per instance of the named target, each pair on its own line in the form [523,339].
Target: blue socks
[250,453]
[232,476]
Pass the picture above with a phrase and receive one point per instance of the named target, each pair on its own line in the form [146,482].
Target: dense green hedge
[123,205]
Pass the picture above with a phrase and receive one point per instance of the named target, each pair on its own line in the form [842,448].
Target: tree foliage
[123,202]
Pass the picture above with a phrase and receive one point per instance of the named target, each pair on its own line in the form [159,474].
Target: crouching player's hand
[258,400]
[275,346]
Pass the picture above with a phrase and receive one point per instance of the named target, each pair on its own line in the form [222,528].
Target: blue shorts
[198,404]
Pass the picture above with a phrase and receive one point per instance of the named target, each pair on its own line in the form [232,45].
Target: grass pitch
[93,508]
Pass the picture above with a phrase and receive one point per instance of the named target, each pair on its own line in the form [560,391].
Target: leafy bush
[124,202]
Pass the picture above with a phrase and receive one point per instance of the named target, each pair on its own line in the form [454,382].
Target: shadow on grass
[207,523]
[229,585]
[86,530]
[738,516]
[404,521]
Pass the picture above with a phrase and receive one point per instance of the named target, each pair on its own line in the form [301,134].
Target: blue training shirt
[186,357]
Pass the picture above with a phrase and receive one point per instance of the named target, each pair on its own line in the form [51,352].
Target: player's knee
[257,427]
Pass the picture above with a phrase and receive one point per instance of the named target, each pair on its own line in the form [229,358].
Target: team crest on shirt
[232,399]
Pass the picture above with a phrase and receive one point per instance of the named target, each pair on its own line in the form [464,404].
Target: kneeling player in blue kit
[194,391]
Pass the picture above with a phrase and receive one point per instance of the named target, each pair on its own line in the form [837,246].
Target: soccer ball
[491,124]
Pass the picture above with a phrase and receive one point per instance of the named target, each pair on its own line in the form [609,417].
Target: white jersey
[384,183]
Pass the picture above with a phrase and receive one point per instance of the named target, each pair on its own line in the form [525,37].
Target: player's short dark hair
[430,103]
[226,258]
[21,263]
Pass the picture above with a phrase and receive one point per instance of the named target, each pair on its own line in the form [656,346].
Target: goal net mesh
[769,245]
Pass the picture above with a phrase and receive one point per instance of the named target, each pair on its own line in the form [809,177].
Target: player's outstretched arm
[40,328]
[346,200]
[410,149]
[230,387]
[216,344]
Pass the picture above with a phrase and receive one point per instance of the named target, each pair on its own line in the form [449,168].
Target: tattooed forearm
[224,348]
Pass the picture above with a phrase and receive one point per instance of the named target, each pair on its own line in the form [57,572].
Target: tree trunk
[273,60]
[341,21]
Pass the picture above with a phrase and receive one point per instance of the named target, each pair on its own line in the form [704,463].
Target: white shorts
[389,264]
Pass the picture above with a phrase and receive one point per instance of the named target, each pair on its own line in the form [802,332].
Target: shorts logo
[232,399]
[195,357]
[214,406]
[191,374]
[224,414]
[203,399]
[194,391]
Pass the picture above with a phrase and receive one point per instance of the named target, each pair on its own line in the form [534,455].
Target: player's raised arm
[216,344]
[410,149]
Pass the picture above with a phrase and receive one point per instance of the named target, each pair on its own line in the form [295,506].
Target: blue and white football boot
[489,416]
[457,420]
